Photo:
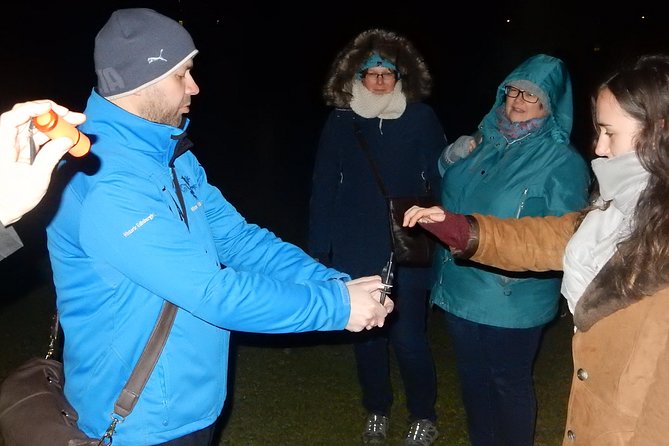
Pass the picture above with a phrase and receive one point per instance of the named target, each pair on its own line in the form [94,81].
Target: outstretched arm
[454,230]
[525,244]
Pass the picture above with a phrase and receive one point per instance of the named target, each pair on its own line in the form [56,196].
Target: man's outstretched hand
[366,309]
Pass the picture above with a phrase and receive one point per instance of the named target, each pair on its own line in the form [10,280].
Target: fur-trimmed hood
[416,79]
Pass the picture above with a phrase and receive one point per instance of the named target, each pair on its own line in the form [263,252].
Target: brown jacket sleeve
[524,244]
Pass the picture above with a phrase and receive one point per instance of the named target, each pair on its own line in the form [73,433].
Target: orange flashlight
[50,124]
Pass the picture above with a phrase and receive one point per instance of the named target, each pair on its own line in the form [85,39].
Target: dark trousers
[495,369]
[406,330]
[203,437]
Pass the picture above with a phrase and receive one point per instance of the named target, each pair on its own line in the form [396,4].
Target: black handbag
[411,246]
[35,412]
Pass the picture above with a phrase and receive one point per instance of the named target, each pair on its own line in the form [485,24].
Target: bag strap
[147,361]
[362,142]
[365,148]
[129,396]
[130,393]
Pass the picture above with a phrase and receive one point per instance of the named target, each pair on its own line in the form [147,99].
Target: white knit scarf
[371,105]
[621,181]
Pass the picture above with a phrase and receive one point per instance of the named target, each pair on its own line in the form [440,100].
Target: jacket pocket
[531,202]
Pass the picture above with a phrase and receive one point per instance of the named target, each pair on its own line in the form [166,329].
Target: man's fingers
[367,283]
[389,305]
[364,279]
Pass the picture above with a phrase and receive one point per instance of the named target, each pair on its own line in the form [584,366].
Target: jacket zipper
[521,205]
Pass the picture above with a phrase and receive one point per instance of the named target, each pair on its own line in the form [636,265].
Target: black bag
[34,410]
[411,246]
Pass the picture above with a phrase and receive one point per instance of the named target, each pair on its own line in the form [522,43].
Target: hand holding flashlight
[28,157]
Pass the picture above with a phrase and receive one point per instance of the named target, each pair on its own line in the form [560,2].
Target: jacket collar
[183,145]
[110,125]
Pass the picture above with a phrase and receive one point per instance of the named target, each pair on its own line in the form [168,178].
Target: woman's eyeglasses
[385,77]
[513,92]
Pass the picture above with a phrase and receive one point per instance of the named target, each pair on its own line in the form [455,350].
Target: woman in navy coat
[376,83]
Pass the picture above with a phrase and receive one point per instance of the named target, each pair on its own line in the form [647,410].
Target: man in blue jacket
[139,224]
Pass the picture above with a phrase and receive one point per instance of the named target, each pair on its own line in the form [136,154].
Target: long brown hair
[640,265]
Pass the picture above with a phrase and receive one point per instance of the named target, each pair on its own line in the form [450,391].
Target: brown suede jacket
[620,387]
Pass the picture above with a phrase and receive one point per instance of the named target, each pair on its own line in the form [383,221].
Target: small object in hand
[387,274]
[54,127]
[31,141]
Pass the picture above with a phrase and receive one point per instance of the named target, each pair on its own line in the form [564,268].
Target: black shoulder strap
[365,148]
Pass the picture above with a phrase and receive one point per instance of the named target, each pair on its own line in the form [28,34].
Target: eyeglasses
[513,92]
[385,77]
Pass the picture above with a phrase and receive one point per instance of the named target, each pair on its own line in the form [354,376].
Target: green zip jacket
[538,174]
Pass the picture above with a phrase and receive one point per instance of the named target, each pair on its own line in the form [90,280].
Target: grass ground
[302,389]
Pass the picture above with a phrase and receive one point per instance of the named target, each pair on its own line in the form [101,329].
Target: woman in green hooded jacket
[519,163]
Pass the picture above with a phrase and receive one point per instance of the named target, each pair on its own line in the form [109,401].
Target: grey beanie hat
[138,47]
[534,89]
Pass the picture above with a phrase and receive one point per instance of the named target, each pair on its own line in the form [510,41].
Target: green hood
[551,75]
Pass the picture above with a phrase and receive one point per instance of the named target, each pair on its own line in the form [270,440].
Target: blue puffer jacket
[539,174]
[119,248]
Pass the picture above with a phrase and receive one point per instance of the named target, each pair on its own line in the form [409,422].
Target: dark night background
[260,69]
